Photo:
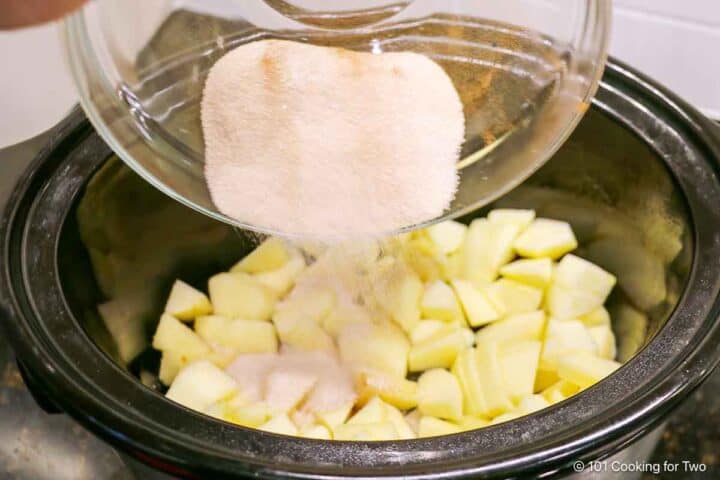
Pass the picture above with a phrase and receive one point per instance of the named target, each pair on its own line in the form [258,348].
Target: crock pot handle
[40,397]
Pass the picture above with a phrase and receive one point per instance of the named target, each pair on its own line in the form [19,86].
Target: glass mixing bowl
[525,71]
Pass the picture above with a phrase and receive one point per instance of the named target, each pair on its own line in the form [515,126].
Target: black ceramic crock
[637,138]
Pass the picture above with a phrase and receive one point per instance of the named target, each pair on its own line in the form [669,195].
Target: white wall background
[674,41]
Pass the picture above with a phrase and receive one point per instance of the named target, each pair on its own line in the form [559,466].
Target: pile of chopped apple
[451,328]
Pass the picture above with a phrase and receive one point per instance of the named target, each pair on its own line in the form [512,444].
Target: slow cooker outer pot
[82,381]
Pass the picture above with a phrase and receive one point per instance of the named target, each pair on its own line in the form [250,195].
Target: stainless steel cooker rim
[70,370]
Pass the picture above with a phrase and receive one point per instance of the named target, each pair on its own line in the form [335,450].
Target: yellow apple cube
[306,335]
[186,303]
[251,415]
[345,314]
[495,397]
[514,328]
[536,272]
[373,412]
[242,336]
[519,363]
[439,395]
[563,337]
[575,273]
[487,247]
[434,427]
[280,424]
[333,418]
[597,317]
[438,351]
[477,307]
[605,341]
[286,388]
[584,369]
[546,238]
[375,347]
[399,295]
[560,391]
[317,432]
[313,305]
[239,295]
[200,384]
[447,236]
[471,422]
[532,403]
[396,391]
[269,255]
[281,280]
[466,371]
[173,335]
[519,217]
[439,302]
[402,427]
[514,297]
[505,417]
[426,329]
[170,365]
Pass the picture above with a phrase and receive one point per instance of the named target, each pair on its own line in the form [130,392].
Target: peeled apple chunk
[172,335]
[399,292]
[439,395]
[285,388]
[366,432]
[270,255]
[439,302]
[521,218]
[375,347]
[495,397]
[318,432]
[514,297]
[597,317]
[605,341]
[487,247]
[281,280]
[546,238]
[478,309]
[239,295]
[434,427]
[560,391]
[399,392]
[313,305]
[426,329]
[438,351]
[563,337]
[584,369]
[518,364]
[535,272]
[514,328]
[574,273]
[201,384]
[467,372]
[186,303]
[447,236]
[242,336]
[280,424]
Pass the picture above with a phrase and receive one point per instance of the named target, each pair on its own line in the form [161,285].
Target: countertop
[38,446]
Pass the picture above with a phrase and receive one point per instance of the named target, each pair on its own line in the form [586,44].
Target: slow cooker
[641,155]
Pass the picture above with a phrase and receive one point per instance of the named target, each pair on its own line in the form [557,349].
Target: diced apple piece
[532,403]
[439,302]
[567,303]
[514,297]
[487,247]
[605,341]
[560,391]
[286,387]
[575,273]
[251,415]
[518,363]
[439,395]
[412,418]
[281,280]
[313,305]
[345,314]
[466,371]
[563,337]
[546,238]
[471,422]
[597,317]
[373,412]
[478,309]
[306,335]
[426,329]
[269,255]
[545,379]
[515,328]
[495,398]
[366,432]
[584,369]
[239,295]
[280,424]
[242,336]
[521,218]
[375,347]
[186,303]
[438,351]
[170,365]
[125,322]
[172,335]
[398,291]
[318,432]
[400,392]
[505,417]
[335,417]
[200,384]
[451,266]
[434,427]
[403,429]
[447,236]
[536,272]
